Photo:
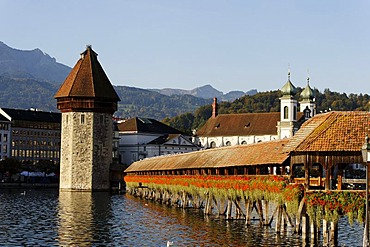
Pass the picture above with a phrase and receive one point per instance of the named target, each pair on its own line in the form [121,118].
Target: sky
[231,45]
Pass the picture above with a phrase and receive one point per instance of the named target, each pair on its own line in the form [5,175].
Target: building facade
[30,135]
[141,138]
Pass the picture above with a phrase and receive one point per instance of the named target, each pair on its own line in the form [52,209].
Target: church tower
[307,104]
[87,101]
[288,110]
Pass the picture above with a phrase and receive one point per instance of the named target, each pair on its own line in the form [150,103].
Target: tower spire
[308,77]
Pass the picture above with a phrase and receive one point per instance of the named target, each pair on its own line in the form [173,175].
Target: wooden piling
[333,233]
[305,229]
[266,223]
[313,232]
[279,219]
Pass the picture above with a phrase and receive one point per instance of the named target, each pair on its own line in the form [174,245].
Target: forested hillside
[136,102]
[269,102]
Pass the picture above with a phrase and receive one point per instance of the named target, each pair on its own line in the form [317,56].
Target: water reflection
[52,218]
[83,216]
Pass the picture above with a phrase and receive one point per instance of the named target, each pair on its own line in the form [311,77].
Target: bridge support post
[305,229]
[313,232]
[325,235]
[333,233]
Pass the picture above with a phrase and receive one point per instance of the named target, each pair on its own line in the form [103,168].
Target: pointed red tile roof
[87,80]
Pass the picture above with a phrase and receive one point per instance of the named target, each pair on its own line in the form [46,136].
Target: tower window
[286,111]
[82,119]
[295,113]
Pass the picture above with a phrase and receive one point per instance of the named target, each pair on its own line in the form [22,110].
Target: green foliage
[269,102]
[27,93]
[10,165]
[137,102]
[331,204]
[47,166]
[183,112]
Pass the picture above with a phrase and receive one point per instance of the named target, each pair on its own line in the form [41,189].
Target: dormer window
[307,113]
[217,126]
[247,125]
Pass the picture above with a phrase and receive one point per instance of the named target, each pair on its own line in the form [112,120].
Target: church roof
[307,92]
[241,124]
[288,88]
[87,79]
[146,125]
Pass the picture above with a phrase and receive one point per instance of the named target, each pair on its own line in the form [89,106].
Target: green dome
[288,88]
[307,93]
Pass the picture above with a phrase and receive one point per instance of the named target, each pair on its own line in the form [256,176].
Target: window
[82,119]
[213,145]
[228,143]
[286,109]
[5,137]
[295,113]
[307,113]
[67,119]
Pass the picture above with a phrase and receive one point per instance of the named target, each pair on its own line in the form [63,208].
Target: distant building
[29,135]
[142,138]
[247,128]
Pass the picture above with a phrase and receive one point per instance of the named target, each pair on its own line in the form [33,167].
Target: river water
[53,218]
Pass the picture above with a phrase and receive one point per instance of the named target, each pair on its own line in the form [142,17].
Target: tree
[47,166]
[10,166]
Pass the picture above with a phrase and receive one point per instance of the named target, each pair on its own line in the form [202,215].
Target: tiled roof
[146,125]
[87,80]
[271,152]
[241,124]
[332,131]
[33,115]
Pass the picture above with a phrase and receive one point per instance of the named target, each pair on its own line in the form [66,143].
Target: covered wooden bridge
[316,158]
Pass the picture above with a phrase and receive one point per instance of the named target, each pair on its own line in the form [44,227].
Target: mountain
[146,103]
[30,78]
[205,92]
[31,64]
[25,93]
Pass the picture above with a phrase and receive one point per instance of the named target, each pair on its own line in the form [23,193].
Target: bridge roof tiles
[335,131]
[253,154]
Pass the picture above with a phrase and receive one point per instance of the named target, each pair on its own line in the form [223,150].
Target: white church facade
[247,128]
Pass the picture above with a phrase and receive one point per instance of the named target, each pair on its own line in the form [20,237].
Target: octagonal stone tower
[87,101]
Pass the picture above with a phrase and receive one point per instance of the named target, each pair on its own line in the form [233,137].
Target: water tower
[87,101]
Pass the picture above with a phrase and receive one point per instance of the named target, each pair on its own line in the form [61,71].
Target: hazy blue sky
[232,45]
